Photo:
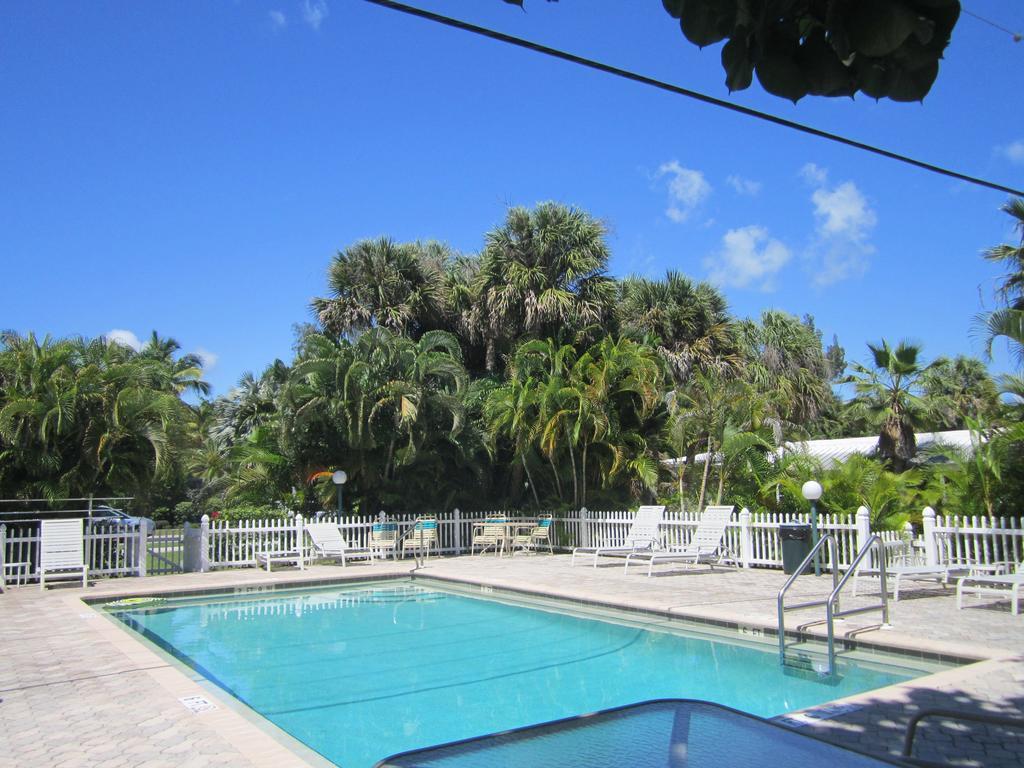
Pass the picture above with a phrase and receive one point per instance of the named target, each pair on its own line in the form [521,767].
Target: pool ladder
[831,603]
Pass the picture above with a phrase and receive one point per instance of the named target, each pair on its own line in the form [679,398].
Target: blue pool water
[359,673]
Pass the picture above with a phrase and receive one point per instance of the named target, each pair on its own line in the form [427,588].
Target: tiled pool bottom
[363,671]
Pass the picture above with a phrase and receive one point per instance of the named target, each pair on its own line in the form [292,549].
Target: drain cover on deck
[197,704]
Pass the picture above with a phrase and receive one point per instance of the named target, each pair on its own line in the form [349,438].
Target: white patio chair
[489,534]
[529,537]
[904,570]
[62,551]
[644,534]
[422,537]
[705,546]
[329,543]
[1001,585]
[384,539]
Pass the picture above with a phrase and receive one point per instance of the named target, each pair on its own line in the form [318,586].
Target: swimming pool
[360,672]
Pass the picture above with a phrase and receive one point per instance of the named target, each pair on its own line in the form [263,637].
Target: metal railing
[782,607]
[831,603]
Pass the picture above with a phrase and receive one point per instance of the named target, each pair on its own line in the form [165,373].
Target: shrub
[251,512]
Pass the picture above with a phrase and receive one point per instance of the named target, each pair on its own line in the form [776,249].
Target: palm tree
[80,417]
[690,322]
[184,373]
[1008,322]
[785,361]
[381,283]
[1011,289]
[890,392]
[958,389]
[542,274]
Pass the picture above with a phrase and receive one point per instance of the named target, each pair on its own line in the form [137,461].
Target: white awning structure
[830,452]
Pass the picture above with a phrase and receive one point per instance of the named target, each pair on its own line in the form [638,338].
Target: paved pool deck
[78,690]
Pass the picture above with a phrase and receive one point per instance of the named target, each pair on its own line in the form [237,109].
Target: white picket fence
[751,538]
[109,550]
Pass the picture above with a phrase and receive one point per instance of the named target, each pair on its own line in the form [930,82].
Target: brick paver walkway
[77,690]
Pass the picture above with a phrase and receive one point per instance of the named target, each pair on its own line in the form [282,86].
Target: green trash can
[796,545]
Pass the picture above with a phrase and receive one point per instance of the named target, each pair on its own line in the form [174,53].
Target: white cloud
[208,358]
[1014,152]
[813,174]
[749,256]
[841,247]
[687,189]
[314,12]
[278,20]
[124,338]
[744,186]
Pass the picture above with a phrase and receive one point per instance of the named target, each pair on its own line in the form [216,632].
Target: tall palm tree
[958,389]
[381,283]
[1008,322]
[784,359]
[1011,289]
[690,322]
[542,274]
[890,390]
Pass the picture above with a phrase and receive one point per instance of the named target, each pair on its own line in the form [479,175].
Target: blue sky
[191,167]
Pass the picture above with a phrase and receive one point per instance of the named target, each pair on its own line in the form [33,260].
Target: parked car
[106,515]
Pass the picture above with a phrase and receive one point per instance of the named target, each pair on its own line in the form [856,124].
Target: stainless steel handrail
[829,539]
[831,603]
[832,611]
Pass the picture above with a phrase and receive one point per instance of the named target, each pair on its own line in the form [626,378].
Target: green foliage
[883,48]
[522,377]
[250,512]
[888,392]
[81,417]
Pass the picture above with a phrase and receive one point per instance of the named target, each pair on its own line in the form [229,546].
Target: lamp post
[339,478]
[811,491]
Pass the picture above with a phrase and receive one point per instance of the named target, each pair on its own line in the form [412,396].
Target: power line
[1015,35]
[680,91]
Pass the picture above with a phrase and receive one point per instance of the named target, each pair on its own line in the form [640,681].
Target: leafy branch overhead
[883,48]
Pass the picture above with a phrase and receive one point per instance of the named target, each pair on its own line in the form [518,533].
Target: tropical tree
[381,283]
[542,274]
[955,390]
[784,361]
[384,407]
[84,417]
[690,322]
[889,391]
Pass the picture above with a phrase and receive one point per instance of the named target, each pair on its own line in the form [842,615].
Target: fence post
[746,541]
[863,528]
[457,522]
[143,548]
[300,540]
[584,527]
[3,556]
[204,544]
[931,555]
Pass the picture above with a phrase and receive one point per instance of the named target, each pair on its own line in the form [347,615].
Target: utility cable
[1015,35]
[680,91]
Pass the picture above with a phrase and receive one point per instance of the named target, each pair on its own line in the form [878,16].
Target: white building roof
[830,452]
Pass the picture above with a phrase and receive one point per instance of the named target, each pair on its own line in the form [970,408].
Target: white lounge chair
[940,573]
[705,546]
[62,551]
[643,535]
[1002,585]
[329,543]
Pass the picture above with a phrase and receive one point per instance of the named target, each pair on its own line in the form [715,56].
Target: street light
[339,479]
[811,491]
